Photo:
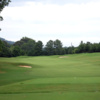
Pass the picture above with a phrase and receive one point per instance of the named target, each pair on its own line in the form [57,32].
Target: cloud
[58,2]
[69,22]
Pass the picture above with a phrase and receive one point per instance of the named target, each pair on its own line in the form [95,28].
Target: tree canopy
[29,47]
[3,3]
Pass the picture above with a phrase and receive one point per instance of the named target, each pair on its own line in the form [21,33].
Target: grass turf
[72,77]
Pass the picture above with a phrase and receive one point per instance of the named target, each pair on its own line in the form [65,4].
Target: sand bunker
[25,66]
[63,57]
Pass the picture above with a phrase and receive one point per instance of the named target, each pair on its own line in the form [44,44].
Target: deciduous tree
[58,47]
[3,3]
[49,47]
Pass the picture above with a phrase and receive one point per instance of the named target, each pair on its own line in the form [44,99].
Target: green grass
[74,77]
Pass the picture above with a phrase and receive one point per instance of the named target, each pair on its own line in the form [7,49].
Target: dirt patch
[1,72]
[25,66]
[63,57]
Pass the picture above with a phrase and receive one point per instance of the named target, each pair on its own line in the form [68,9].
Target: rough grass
[75,77]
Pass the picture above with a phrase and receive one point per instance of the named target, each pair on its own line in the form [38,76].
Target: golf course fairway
[60,77]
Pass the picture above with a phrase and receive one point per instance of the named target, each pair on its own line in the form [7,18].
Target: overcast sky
[68,20]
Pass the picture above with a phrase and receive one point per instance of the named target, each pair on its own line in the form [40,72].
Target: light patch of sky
[70,22]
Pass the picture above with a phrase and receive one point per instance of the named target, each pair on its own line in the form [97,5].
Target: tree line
[29,47]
